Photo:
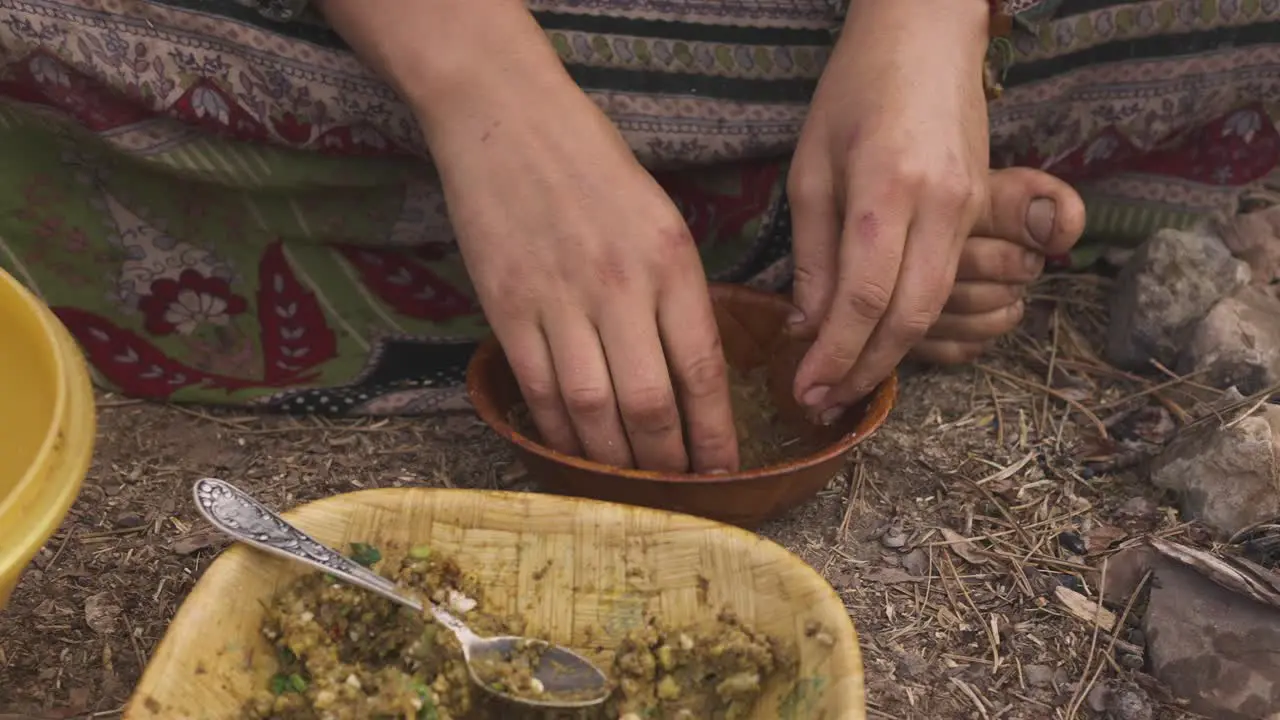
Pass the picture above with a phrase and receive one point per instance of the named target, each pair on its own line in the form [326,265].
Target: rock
[1097,698]
[1226,477]
[1128,703]
[1212,646]
[916,562]
[1170,283]
[1254,238]
[1237,342]
[1038,675]
[894,537]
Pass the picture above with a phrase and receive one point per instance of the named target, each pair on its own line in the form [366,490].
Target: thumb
[1033,209]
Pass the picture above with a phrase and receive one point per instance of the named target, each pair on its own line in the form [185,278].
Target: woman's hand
[584,266]
[593,285]
[887,181]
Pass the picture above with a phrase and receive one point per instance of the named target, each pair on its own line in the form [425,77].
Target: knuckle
[806,190]
[1013,314]
[650,409]
[540,394]
[588,400]
[958,353]
[914,326]
[868,301]
[704,375]
[1009,263]
[907,178]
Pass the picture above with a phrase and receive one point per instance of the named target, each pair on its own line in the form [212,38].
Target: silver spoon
[561,671]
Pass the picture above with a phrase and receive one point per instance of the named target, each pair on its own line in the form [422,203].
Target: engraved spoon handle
[237,514]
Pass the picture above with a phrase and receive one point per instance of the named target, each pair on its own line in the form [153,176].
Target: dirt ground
[948,631]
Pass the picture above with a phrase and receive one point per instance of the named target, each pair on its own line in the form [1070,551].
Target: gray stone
[1170,283]
[1226,477]
[1237,342]
[1129,703]
[1211,646]
[1254,238]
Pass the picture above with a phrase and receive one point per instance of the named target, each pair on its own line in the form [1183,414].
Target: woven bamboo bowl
[567,565]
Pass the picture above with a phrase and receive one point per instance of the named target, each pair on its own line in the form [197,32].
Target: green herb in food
[365,554]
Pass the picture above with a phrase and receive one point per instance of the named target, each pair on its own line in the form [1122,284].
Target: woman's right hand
[586,270]
[591,281]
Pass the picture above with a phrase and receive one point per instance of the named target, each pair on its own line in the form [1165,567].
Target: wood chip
[1085,609]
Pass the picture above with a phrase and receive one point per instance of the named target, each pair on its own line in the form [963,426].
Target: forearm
[968,21]
[452,61]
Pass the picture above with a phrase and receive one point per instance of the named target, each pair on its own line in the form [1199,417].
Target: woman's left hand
[887,180]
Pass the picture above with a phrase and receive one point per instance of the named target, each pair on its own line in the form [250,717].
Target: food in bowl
[345,654]
[765,437]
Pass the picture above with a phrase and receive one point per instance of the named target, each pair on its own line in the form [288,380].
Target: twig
[1009,377]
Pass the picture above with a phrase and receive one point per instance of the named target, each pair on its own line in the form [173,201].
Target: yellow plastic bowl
[570,567]
[46,427]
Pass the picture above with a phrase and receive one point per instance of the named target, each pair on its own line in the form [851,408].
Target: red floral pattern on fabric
[713,214]
[188,301]
[294,334]
[409,286]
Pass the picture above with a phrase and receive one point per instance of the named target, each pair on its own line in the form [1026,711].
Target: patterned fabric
[229,210]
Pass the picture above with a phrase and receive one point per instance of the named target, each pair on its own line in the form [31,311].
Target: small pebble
[1129,703]
[1072,542]
[1129,660]
[1038,675]
[1098,697]
[894,537]
[130,520]
[916,562]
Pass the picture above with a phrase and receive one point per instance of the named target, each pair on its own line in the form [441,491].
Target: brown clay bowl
[752,329]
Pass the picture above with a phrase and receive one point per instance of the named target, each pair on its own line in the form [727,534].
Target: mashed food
[347,654]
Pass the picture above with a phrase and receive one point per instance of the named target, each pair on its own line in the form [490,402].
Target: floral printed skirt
[224,210]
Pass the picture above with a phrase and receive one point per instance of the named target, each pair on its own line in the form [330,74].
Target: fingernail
[1033,261]
[830,415]
[718,471]
[1040,219]
[815,395]
[795,318]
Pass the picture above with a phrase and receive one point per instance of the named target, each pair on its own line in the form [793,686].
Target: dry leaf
[1084,608]
[1103,537]
[964,547]
[1233,573]
[100,613]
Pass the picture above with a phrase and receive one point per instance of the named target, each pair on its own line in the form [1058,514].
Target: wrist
[962,24]
[452,61]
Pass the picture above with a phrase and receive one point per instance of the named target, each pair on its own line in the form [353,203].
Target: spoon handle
[237,514]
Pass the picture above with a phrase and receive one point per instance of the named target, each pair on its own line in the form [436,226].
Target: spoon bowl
[568,680]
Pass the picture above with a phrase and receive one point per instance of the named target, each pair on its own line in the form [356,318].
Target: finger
[946,352]
[815,232]
[978,327]
[925,283]
[998,260]
[870,257]
[688,327]
[530,359]
[1033,209]
[969,298]
[587,391]
[642,384]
